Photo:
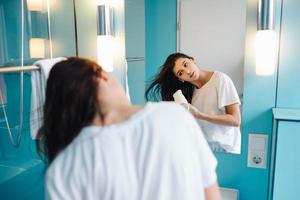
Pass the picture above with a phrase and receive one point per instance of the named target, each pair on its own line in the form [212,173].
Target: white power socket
[257,150]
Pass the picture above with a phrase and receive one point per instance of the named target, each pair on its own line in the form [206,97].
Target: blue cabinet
[286,171]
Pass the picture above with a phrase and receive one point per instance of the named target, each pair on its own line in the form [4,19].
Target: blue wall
[160,33]
[135,54]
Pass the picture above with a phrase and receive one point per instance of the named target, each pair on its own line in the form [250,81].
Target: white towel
[38,87]
[2,91]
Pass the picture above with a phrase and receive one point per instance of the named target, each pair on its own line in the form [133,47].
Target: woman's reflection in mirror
[212,99]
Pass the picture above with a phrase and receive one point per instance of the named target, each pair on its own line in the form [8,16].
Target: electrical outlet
[257,150]
[257,159]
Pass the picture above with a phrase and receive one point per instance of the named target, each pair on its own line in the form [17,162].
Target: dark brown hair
[165,83]
[70,104]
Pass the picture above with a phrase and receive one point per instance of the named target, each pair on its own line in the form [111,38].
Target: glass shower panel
[43,27]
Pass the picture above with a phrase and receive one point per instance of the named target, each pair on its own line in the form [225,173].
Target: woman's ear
[104,75]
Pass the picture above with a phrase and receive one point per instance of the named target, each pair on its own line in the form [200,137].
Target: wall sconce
[35,5]
[37,48]
[105,31]
[265,43]
[38,29]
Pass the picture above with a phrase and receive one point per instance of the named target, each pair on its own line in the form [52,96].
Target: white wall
[213,32]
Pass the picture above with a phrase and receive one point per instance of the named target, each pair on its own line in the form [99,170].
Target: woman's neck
[204,77]
[115,114]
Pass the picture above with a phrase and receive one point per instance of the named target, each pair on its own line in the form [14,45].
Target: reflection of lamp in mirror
[35,5]
[37,48]
[265,38]
[38,29]
[105,42]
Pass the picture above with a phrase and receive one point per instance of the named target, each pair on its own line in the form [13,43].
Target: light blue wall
[135,49]
[160,33]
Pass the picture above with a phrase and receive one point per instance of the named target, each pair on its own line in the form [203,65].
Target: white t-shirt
[212,98]
[158,153]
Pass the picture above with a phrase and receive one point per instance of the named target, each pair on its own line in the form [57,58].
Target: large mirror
[212,32]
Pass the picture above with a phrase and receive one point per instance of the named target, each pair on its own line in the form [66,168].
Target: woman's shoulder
[221,76]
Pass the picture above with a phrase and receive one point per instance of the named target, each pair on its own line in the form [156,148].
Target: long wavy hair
[165,83]
[70,104]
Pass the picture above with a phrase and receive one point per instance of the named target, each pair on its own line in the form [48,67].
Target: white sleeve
[61,185]
[52,188]
[227,93]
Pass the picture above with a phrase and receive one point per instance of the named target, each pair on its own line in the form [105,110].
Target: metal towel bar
[18,69]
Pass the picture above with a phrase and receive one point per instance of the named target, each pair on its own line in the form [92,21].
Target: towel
[2,91]
[38,87]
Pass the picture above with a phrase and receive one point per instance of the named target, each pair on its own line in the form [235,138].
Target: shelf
[286,114]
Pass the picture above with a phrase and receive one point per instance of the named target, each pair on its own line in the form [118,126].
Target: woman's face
[186,70]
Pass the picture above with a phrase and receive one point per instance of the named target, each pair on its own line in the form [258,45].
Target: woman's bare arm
[232,117]
[212,192]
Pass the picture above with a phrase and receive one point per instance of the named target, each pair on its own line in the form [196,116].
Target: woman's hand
[194,111]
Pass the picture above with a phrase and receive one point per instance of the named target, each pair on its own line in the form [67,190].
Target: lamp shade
[105,25]
[265,43]
[37,48]
[35,5]
[265,52]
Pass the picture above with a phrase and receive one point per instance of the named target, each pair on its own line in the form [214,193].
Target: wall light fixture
[105,32]
[35,5]
[38,29]
[265,43]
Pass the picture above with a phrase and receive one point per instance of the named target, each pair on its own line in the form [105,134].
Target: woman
[99,146]
[212,97]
